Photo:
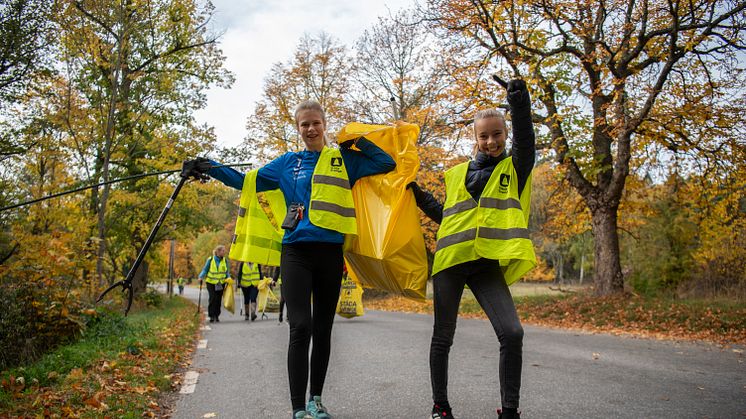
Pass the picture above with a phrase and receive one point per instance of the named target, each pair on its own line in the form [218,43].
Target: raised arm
[524,139]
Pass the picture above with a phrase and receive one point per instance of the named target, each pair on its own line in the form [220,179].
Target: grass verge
[119,368]
[661,318]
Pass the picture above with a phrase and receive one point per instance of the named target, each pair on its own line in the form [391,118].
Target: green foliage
[661,257]
[152,298]
[25,32]
[119,364]
[33,322]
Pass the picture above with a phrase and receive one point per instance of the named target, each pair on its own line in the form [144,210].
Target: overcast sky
[258,33]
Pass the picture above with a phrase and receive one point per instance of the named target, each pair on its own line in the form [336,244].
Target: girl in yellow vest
[316,184]
[483,243]
[215,273]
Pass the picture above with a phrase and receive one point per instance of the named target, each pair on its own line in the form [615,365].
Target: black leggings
[215,301]
[486,281]
[310,268]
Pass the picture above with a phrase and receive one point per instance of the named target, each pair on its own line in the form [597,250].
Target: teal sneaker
[302,414]
[316,409]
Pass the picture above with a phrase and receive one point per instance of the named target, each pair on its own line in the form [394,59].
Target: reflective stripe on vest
[249,276]
[217,273]
[331,203]
[256,239]
[495,228]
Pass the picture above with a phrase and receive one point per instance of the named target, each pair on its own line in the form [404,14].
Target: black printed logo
[336,161]
[504,183]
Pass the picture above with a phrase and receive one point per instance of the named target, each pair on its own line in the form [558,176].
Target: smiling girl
[483,243]
[316,183]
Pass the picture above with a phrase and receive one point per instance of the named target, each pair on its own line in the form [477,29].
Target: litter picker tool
[126,283]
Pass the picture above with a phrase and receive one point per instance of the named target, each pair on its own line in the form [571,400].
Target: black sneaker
[441,412]
[212,320]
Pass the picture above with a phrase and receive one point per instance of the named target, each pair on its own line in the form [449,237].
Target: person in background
[180,283]
[249,275]
[215,273]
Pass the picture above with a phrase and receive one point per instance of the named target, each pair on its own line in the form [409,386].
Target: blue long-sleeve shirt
[206,269]
[292,173]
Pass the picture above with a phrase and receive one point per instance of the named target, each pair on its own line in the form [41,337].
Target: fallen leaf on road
[700,388]
[209,415]
[596,355]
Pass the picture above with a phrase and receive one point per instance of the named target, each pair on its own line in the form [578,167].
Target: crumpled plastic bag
[388,253]
[266,300]
[350,302]
[229,302]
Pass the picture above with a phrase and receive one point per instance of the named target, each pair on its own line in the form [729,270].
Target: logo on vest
[336,163]
[504,183]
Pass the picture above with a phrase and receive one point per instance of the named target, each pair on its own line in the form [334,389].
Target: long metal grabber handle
[83,188]
[126,284]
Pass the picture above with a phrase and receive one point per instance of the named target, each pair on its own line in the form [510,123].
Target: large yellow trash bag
[388,252]
[350,302]
[228,301]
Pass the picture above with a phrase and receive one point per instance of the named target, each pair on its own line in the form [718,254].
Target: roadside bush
[152,298]
[33,321]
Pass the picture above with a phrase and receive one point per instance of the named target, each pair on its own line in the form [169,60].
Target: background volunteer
[215,272]
[249,275]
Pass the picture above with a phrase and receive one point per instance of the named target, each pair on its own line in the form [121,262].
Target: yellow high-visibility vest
[249,275]
[495,228]
[256,239]
[217,272]
[331,203]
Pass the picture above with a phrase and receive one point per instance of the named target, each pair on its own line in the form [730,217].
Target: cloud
[258,34]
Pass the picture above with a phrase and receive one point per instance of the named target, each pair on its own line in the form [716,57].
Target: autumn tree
[141,70]
[320,71]
[598,72]
[398,75]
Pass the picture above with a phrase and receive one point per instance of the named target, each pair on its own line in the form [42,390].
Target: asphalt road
[379,369]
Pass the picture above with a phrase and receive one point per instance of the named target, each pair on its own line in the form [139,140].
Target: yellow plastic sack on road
[228,301]
[350,302]
[388,252]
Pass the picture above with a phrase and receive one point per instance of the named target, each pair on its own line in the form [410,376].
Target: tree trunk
[140,279]
[607,272]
